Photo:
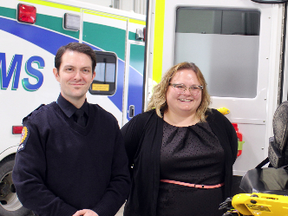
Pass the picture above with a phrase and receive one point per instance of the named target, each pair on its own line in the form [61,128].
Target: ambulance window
[224,44]
[104,82]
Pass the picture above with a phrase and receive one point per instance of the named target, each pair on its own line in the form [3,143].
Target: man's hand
[85,212]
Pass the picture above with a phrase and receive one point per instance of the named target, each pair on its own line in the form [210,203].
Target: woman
[181,152]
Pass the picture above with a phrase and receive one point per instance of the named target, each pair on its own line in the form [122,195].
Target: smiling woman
[182,105]
[181,152]
[183,74]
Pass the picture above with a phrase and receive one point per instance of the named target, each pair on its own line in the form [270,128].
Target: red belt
[192,185]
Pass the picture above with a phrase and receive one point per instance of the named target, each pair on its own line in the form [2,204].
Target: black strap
[265,161]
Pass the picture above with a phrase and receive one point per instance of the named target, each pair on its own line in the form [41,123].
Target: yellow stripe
[71,8]
[55,5]
[137,21]
[113,16]
[97,13]
[158,40]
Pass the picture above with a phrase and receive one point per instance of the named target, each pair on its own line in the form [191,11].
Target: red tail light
[26,13]
[17,129]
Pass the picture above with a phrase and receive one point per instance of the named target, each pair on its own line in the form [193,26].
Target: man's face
[75,75]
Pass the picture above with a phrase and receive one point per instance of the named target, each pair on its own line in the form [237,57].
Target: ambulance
[239,45]
[241,48]
[31,31]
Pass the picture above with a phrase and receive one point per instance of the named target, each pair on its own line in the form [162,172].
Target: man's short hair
[78,47]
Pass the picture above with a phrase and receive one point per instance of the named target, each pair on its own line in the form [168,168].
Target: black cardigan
[143,138]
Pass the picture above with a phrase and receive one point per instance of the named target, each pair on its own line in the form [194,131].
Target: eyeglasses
[181,88]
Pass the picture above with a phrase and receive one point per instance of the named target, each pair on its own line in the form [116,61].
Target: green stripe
[137,56]
[8,12]
[105,37]
[49,22]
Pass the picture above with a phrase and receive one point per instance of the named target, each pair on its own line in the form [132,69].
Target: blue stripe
[51,41]
[43,38]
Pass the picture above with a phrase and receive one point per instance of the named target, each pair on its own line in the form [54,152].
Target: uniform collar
[68,108]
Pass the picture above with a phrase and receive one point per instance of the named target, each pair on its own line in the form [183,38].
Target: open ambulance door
[237,45]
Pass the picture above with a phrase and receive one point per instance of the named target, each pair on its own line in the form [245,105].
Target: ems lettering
[33,73]
[35,80]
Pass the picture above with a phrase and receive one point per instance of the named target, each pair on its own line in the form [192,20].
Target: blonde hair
[158,98]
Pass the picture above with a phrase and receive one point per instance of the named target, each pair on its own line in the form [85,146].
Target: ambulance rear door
[237,45]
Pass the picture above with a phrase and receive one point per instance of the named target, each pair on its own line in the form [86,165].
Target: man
[70,165]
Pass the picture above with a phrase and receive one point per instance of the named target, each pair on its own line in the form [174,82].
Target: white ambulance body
[27,53]
[239,45]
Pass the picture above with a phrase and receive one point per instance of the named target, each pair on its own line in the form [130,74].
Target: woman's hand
[85,212]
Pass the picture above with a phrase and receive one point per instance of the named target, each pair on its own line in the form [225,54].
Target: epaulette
[32,112]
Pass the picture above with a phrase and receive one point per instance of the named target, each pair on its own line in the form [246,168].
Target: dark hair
[74,46]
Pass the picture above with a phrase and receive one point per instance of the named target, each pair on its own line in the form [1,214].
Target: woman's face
[180,101]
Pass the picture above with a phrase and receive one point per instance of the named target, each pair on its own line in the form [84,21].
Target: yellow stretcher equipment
[266,188]
[261,204]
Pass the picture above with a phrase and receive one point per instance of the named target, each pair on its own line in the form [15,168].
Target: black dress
[192,155]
